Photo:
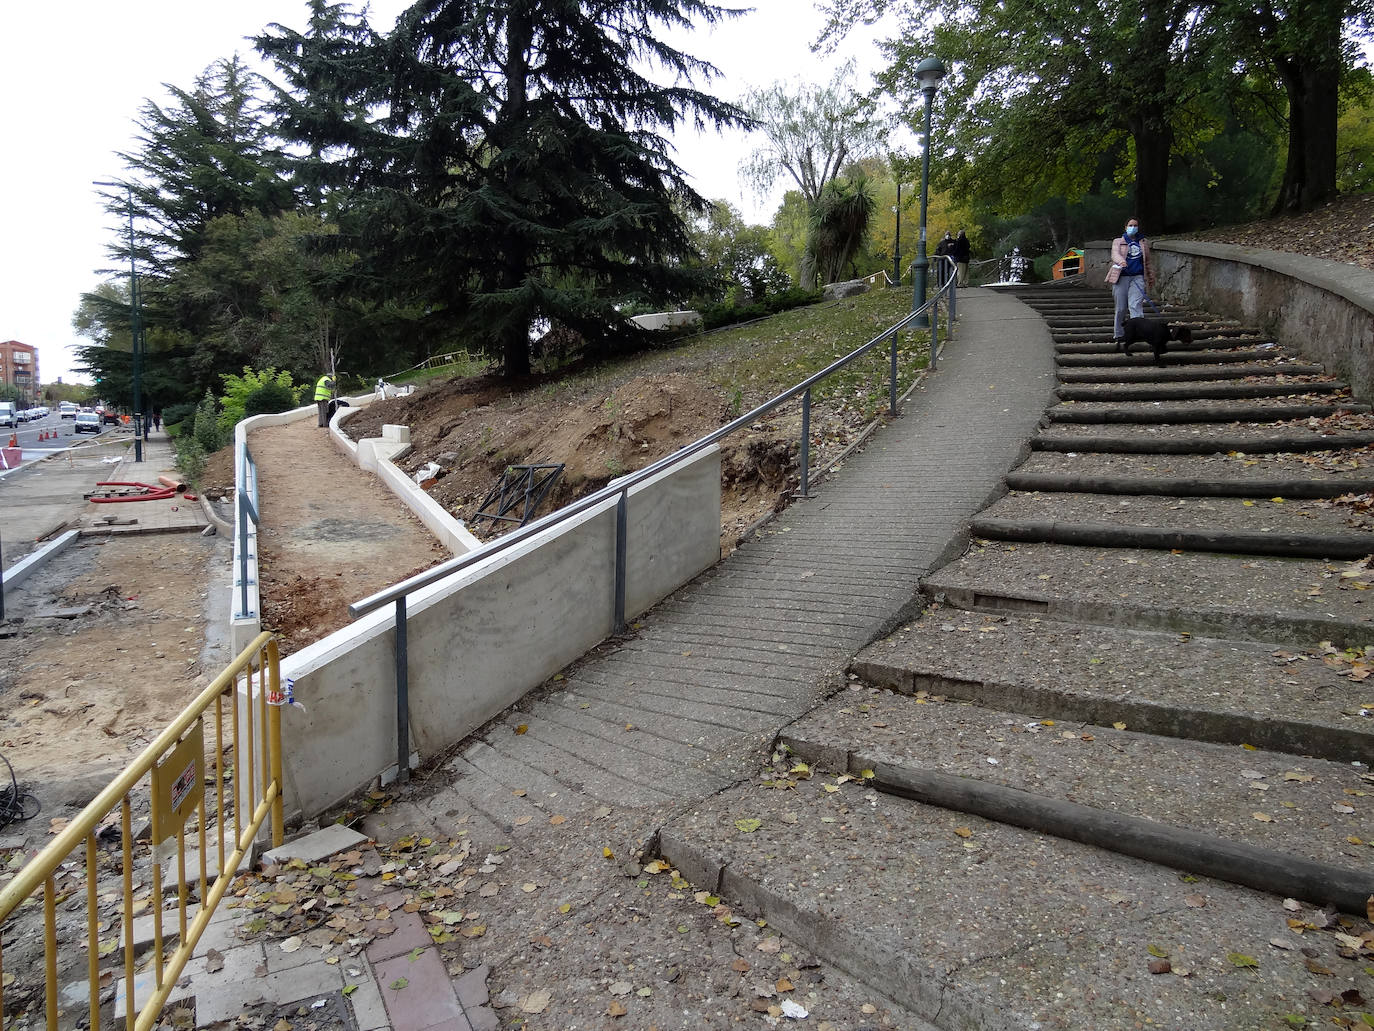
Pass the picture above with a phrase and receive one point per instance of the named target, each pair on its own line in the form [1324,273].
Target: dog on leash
[1155,333]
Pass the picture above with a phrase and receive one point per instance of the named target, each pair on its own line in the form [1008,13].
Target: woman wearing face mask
[1136,278]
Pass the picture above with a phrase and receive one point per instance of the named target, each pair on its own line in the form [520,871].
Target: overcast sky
[71,91]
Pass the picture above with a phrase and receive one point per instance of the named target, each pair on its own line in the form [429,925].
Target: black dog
[1155,333]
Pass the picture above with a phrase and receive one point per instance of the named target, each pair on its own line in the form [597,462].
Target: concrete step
[1201,438]
[1188,373]
[1296,529]
[979,925]
[1105,357]
[1170,683]
[1253,410]
[1202,390]
[1291,602]
[1240,475]
[1208,789]
[1204,341]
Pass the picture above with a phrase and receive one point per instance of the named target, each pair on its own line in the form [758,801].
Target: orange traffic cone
[14,440]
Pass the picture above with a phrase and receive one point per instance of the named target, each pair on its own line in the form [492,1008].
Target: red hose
[150,493]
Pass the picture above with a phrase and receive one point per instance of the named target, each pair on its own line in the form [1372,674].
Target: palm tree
[838,227]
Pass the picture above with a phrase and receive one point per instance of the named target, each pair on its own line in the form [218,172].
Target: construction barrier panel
[227,740]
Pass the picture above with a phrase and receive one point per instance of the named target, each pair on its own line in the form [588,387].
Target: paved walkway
[721,666]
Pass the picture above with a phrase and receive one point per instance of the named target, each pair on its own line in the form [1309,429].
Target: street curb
[31,563]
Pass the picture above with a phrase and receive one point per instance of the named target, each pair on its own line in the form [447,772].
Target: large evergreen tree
[506,156]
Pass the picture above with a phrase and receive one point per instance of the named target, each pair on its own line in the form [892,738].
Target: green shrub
[714,316]
[269,399]
[238,389]
[190,458]
[206,430]
[173,414]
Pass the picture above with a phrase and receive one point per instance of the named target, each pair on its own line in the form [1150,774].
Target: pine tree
[509,168]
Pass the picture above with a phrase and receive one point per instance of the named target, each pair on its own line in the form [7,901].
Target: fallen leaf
[535,1002]
[399,984]
[616,1009]
[291,944]
[769,945]
[1156,951]
[620,988]
[782,984]
[1241,960]
[606,853]
[522,728]
[1263,817]
[1194,901]
[740,966]
[214,961]
[1119,726]
[556,820]
[748,826]
[1160,966]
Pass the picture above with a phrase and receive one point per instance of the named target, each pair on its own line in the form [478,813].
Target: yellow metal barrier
[246,743]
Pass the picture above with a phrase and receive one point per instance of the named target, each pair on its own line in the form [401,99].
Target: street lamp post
[928,73]
[135,325]
[897,247]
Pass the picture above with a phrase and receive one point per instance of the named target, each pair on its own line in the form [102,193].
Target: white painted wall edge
[30,564]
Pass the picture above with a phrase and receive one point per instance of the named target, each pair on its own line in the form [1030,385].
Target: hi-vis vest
[324,387]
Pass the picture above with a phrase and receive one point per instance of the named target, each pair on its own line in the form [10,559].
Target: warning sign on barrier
[179,784]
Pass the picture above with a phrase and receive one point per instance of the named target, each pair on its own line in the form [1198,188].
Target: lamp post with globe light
[928,73]
[134,323]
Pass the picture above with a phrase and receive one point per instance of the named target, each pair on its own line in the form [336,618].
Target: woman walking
[1134,276]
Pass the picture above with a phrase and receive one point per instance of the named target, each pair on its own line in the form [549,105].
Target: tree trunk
[1310,80]
[1153,143]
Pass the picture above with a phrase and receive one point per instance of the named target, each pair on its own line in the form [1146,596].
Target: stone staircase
[1117,773]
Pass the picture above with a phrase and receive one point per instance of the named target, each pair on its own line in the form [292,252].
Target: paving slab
[317,845]
[973,924]
[1294,601]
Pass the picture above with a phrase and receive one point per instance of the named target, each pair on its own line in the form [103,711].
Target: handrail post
[402,696]
[934,336]
[806,445]
[892,388]
[243,555]
[621,521]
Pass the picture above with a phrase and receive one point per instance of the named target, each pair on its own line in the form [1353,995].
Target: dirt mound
[474,429]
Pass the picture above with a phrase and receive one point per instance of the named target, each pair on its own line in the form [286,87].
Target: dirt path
[85,691]
[332,534]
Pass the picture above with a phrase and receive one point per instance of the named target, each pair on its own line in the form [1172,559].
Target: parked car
[87,422]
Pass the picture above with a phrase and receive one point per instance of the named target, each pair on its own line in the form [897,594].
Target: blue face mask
[1132,230]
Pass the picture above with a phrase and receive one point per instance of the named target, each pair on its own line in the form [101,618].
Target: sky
[71,94]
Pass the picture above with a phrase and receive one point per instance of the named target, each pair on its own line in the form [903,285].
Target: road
[42,437]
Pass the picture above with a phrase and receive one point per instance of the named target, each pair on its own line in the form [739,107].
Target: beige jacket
[1119,258]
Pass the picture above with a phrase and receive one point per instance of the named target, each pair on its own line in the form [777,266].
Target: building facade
[19,369]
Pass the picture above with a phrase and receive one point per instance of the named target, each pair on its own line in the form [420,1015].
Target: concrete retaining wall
[371,454]
[1322,309]
[479,640]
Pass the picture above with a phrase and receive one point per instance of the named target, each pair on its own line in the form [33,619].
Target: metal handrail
[247,495]
[453,565]
[397,594]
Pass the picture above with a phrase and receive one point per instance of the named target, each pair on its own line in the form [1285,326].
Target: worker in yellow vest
[324,393]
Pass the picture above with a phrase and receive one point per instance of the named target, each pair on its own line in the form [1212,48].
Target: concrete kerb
[30,564]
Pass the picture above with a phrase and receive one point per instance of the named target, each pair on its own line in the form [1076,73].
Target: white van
[8,416]
[67,410]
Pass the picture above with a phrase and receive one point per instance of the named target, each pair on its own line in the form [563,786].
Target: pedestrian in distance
[943,249]
[324,393]
[961,251]
[1132,276]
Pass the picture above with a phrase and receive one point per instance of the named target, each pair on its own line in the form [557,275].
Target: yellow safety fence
[239,718]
